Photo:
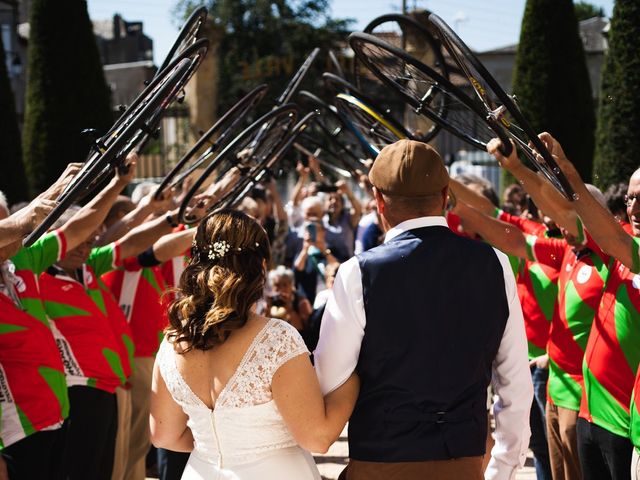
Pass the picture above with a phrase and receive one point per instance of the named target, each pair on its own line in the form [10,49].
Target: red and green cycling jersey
[33,390]
[613,354]
[91,340]
[139,292]
[581,279]
[537,285]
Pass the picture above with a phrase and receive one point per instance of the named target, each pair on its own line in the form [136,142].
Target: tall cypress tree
[551,80]
[13,181]
[66,91]
[618,149]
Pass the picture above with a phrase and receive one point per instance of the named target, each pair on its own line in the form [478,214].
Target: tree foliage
[618,149]
[551,80]
[266,41]
[66,90]
[13,182]
[586,10]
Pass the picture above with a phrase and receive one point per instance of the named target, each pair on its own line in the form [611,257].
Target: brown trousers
[563,443]
[467,468]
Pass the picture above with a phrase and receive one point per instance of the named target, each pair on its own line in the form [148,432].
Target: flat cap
[410,169]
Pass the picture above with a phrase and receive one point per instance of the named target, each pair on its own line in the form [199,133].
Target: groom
[426,319]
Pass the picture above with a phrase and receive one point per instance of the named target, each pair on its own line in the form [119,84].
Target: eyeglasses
[629,199]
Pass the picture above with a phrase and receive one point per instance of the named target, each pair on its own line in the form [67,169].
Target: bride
[236,389]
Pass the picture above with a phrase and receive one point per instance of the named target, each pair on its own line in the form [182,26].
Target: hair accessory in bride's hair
[218,249]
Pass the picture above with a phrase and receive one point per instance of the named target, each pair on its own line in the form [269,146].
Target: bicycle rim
[252,146]
[421,85]
[500,106]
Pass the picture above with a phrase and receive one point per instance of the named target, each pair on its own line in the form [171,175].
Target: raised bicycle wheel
[331,126]
[260,171]
[500,107]
[118,147]
[186,37]
[336,162]
[196,52]
[375,129]
[193,54]
[251,147]
[297,78]
[415,38]
[420,85]
[216,137]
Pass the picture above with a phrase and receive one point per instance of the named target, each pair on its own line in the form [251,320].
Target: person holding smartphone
[312,259]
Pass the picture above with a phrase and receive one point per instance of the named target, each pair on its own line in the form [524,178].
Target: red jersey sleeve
[549,251]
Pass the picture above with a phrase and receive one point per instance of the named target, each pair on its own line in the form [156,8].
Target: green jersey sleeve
[104,259]
[46,251]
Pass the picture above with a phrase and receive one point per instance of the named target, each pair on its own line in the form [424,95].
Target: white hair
[310,202]
[280,272]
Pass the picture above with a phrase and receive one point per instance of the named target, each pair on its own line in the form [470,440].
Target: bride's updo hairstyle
[225,277]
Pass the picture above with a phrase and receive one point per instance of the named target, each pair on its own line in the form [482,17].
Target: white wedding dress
[244,437]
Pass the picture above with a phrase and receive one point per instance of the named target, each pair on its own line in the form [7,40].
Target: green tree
[617,148]
[586,10]
[266,41]
[66,91]
[551,80]
[13,181]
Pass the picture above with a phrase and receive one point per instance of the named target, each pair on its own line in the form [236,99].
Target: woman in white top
[235,389]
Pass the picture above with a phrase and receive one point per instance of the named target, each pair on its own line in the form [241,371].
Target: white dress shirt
[342,330]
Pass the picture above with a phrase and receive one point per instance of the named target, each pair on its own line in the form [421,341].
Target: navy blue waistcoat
[436,309]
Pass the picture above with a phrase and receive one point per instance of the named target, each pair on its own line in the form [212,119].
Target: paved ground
[334,461]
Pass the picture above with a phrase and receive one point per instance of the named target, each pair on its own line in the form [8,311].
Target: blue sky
[494,23]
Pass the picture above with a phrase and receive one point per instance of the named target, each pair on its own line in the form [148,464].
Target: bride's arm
[167,420]
[314,421]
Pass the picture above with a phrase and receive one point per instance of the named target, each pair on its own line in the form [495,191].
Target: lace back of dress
[250,385]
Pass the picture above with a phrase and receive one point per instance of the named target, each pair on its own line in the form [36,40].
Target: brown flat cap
[410,169]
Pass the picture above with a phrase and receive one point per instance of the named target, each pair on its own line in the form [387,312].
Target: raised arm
[356,207]
[303,177]
[143,236]
[173,245]
[89,218]
[15,227]
[543,193]
[504,236]
[471,198]
[148,205]
[601,224]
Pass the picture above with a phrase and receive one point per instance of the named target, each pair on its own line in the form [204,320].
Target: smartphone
[312,230]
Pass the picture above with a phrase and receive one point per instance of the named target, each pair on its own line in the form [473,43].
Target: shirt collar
[413,223]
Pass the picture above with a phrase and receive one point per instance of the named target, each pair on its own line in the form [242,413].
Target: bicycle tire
[186,37]
[197,52]
[297,78]
[328,157]
[431,55]
[499,104]
[223,127]
[465,117]
[270,128]
[373,128]
[108,157]
[333,127]
[105,141]
[253,177]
